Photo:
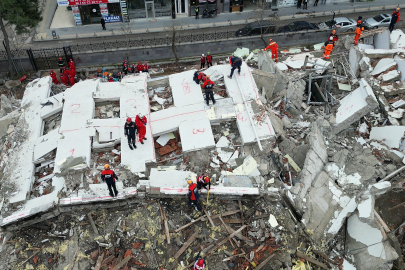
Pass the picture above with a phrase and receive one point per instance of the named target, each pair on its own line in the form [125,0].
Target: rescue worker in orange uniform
[358,34]
[274,49]
[335,37]
[328,48]
[193,195]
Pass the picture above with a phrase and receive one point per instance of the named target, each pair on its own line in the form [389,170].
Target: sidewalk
[223,19]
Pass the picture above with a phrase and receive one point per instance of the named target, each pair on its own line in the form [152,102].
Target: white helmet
[331,38]
[140,115]
[202,55]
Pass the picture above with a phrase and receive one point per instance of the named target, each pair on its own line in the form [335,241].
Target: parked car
[381,20]
[256,28]
[297,26]
[340,24]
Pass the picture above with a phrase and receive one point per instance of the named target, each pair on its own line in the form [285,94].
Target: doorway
[90,14]
[150,9]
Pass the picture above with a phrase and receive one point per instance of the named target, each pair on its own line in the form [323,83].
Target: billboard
[84,2]
[110,19]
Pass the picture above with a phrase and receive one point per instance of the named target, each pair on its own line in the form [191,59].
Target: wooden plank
[229,258]
[74,260]
[311,260]
[263,263]
[187,244]
[241,211]
[92,223]
[225,214]
[218,245]
[107,260]
[122,263]
[240,236]
[164,218]
[208,216]
[189,224]
[99,261]
[325,257]
[230,241]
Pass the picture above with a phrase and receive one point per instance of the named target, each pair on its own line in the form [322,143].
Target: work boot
[142,143]
[229,77]
[144,138]
[134,145]
[130,147]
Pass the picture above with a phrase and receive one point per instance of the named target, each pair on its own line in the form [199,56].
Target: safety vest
[358,31]
[329,47]
[196,9]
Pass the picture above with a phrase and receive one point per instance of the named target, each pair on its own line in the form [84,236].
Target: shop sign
[84,2]
[76,15]
[111,19]
[103,10]
[287,3]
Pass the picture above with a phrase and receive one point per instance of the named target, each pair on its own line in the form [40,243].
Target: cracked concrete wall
[354,59]
[265,63]
[296,91]
[297,153]
[382,40]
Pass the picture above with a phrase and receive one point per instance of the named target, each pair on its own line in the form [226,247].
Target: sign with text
[111,19]
[84,2]
[76,15]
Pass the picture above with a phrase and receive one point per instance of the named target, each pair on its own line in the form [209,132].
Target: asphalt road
[232,28]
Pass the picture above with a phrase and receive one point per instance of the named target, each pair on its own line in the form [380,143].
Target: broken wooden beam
[122,263]
[311,260]
[263,263]
[208,216]
[230,240]
[241,237]
[225,214]
[187,244]
[99,261]
[92,223]
[164,218]
[189,224]
[241,211]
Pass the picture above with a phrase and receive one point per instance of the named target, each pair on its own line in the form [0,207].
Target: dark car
[297,26]
[256,28]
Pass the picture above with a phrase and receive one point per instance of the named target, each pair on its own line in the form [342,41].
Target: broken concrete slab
[185,90]
[389,135]
[196,135]
[382,40]
[401,67]
[391,76]
[383,65]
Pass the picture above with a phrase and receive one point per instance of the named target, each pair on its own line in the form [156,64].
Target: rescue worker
[130,130]
[61,64]
[145,67]
[193,195]
[201,77]
[64,79]
[208,87]
[195,77]
[125,69]
[109,176]
[199,264]
[124,63]
[65,71]
[71,64]
[274,49]
[119,76]
[139,67]
[334,36]
[236,63]
[53,76]
[141,122]
[133,68]
[209,60]
[395,17]
[197,9]
[203,181]
[111,79]
[202,61]
[71,79]
[328,48]
[358,34]
[104,74]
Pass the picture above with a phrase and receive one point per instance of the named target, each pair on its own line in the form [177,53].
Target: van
[256,28]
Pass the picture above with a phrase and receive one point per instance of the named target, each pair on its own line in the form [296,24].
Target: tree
[262,17]
[173,30]
[24,14]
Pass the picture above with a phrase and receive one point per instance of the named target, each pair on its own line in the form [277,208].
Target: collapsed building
[302,154]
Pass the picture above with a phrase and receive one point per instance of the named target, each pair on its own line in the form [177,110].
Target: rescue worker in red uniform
[274,49]
[145,67]
[209,60]
[199,264]
[71,80]
[111,79]
[141,123]
[125,69]
[208,87]
[202,77]
[193,195]
[203,181]
[72,66]
[53,76]
[328,48]
[358,34]
[109,177]
[139,67]
[64,79]
[202,61]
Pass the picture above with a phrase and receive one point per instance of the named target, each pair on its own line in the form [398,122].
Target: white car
[381,20]
[340,24]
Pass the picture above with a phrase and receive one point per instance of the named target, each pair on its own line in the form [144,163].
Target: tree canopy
[25,14]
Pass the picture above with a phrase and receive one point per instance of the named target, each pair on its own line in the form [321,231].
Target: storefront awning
[84,2]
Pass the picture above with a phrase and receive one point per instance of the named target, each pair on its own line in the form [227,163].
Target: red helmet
[51,71]
[129,119]
[133,64]
[139,62]
[359,22]
[125,65]
[64,67]
[146,63]
[71,59]
[206,179]
[200,262]
[125,61]
[60,58]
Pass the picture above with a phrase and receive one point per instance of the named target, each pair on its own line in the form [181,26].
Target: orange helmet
[189,182]
[106,166]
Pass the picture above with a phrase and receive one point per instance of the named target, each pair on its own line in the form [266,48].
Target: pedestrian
[130,130]
[197,9]
[203,181]
[199,264]
[53,76]
[328,48]
[334,36]
[139,67]
[103,23]
[316,3]
[208,87]
[125,69]
[209,60]
[61,64]
[133,68]
[299,3]
[236,63]
[202,61]
[274,49]
[193,195]
[323,2]
[394,19]
[109,177]
[358,34]
[145,67]
[141,122]
[305,4]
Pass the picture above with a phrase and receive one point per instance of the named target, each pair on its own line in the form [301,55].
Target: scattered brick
[127,253]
